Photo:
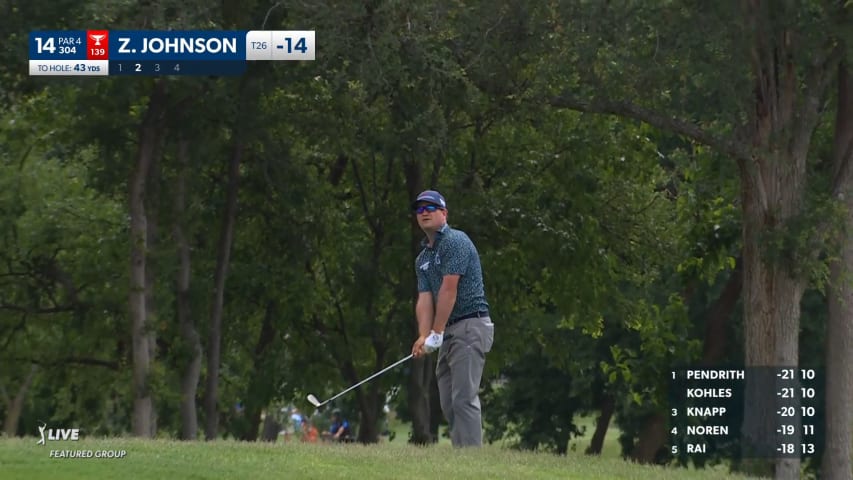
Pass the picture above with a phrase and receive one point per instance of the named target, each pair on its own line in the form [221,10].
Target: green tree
[772,110]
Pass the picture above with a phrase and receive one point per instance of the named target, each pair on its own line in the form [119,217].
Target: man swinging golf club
[453,317]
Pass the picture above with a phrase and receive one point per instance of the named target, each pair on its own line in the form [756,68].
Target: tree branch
[4,395]
[843,143]
[841,179]
[656,119]
[379,343]
[367,216]
[71,360]
[818,80]
[14,330]
[37,310]
[338,307]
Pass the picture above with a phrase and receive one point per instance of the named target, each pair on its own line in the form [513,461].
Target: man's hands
[418,347]
[433,341]
[428,344]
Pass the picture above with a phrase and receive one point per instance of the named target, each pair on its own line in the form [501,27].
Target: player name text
[709,393]
[180,45]
[715,375]
[706,411]
[707,430]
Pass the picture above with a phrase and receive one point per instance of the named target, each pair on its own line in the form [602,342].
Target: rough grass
[158,459]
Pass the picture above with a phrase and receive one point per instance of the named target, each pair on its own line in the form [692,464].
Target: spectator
[340,430]
[309,432]
[296,418]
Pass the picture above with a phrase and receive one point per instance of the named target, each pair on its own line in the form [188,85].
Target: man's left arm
[443,307]
[446,301]
[455,258]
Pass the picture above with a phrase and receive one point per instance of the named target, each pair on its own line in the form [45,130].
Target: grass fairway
[159,459]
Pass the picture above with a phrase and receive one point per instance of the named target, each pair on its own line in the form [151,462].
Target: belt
[466,317]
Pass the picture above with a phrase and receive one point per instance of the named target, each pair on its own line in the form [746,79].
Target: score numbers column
[797,429]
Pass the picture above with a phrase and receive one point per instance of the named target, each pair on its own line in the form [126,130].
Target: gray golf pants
[461,359]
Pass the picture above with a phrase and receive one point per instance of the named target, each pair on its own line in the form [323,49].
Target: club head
[313,400]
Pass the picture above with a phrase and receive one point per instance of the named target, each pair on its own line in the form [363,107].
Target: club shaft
[380,372]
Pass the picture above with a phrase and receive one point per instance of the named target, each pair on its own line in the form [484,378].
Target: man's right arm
[424,311]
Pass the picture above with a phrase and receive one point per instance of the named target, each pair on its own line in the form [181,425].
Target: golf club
[318,403]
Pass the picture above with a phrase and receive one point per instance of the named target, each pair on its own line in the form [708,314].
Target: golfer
[453,317]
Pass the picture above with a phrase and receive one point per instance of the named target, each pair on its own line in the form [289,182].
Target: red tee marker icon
[97,45]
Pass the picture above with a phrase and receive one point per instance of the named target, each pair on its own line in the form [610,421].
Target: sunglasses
[427,208]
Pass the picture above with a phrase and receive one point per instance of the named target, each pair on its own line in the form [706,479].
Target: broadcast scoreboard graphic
[707,411]
[149,52]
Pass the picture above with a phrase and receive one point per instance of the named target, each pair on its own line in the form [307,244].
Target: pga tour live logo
[72,435]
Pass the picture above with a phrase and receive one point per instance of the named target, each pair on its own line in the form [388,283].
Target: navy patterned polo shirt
[453,253]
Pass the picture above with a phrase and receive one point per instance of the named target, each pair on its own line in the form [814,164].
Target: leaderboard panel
[768,412]
[148,52]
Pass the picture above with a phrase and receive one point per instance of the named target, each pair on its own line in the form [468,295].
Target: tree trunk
[436,416]
[602,423]
[419,401]
[271,429]
[259,391]
[366,396]
[423,369]
[370,408]
[771,194]
[369,399]
[837,462]
[717,323]
[16,405]
[191,370]
[211,394]
[651,438]
[149,135]
[152,203]
[786,110]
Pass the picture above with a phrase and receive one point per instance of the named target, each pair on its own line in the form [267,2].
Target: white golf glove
[433,341]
